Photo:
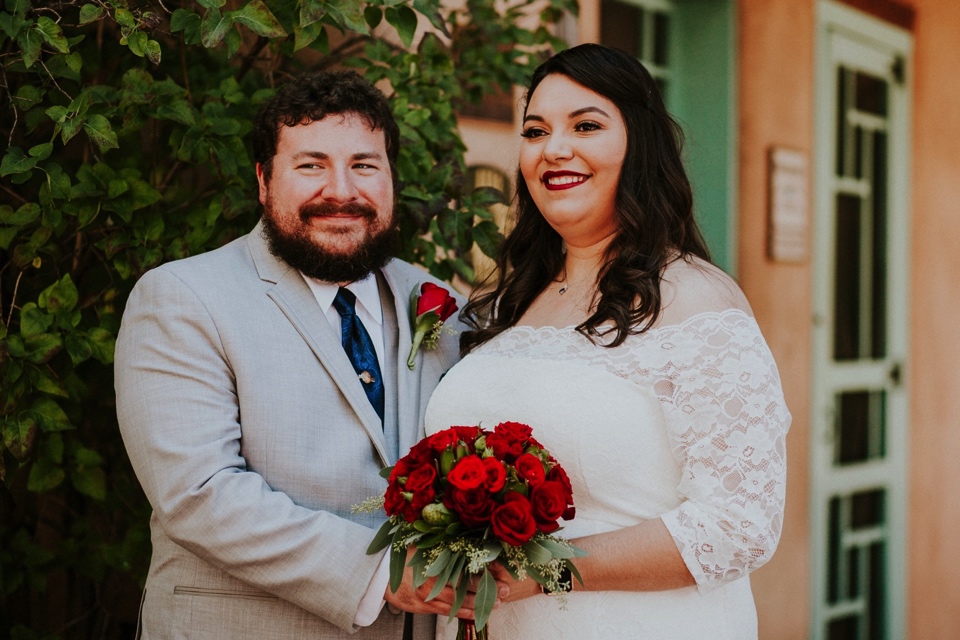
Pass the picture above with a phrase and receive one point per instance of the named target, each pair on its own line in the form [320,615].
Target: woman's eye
[587,126]
[533,132]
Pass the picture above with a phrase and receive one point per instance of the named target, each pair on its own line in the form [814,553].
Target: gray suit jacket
[252,438]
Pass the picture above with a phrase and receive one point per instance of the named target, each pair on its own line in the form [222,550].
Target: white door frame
[845,34]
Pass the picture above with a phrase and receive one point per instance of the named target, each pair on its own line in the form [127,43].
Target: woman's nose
[557,148]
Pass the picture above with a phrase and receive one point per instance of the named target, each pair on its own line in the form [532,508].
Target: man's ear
[262,181]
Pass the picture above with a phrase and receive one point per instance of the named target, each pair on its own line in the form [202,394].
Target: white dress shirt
[370,313]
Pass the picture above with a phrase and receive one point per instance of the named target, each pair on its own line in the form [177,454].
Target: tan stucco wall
[775,87]
[934,512]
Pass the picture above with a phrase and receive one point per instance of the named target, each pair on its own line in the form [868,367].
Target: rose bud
[437,515]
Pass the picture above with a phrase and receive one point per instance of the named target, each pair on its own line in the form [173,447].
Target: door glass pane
[861,426]
[860,276]
[846,335]
[621,26]
[857,557]
[661,29]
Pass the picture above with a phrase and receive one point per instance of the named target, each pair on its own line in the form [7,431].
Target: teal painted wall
[702,96]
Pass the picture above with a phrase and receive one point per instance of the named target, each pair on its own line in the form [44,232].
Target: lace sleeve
[727,420]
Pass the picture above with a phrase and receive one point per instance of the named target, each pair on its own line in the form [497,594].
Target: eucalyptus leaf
[484,599]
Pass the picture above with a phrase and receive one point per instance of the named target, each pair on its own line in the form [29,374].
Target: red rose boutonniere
[429,308]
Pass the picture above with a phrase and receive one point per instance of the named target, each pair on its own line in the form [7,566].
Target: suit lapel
[408,382]
[291,293]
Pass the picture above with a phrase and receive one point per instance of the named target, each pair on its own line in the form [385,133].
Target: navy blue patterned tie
[356,342]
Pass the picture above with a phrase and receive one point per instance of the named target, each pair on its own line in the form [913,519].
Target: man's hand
[413,599]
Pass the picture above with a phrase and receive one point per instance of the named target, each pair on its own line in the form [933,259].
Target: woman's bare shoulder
[691,286]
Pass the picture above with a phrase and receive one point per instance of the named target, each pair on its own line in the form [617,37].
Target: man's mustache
[320,209]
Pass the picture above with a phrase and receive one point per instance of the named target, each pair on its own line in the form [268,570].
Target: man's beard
[297,249]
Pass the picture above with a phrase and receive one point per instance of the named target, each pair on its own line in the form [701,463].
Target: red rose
[530,468]
[469,435]
[559,475]
[420,453]
[420,499]
[504,448]
[513,521]
[443,439]
[473,507]
[496,474]
[468,473]
[437,299]
[548,502]
[421,478]
[393,501]
[516,431]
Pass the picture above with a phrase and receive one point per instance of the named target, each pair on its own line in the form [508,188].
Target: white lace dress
[686,423]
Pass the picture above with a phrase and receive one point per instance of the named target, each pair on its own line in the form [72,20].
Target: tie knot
[345,302]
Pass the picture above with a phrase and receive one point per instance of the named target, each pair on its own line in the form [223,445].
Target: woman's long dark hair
[654,212]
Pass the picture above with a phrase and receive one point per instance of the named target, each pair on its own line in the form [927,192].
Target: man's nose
[340,187]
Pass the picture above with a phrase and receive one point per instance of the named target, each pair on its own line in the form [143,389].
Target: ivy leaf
[404,20]
[100,131]
[137,42]
[348,14]
[125,19]
[373,15]
[304,36]
[429,9]
[26,214]
[259,19]
[11,24]
[50,31]
[211,4]
[90,13]
[42,347]
[41,151]
[15,161]
[78,348]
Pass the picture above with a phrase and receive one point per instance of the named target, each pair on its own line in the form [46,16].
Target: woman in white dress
[638,364]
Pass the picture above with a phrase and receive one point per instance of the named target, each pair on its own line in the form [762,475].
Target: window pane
[621,26]
[879,295]
[661,27]
[871,94]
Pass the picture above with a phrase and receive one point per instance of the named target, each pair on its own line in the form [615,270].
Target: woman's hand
[510,589]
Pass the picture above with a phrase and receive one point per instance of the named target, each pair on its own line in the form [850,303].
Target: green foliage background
[124,128]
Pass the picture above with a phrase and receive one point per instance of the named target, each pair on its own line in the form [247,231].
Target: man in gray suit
[242,413]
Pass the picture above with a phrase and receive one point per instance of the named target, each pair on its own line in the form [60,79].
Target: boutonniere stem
[430,306]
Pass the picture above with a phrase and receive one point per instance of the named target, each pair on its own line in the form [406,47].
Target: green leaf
[382,538]
[349,15]
[90,481]
[488,237]
[49,415]
[259,19]
[484,600]
[19,436]
[304,36]
[45,383]
[78,348]
[45,475]
[152,50]
[211,4]
[125,19]
[460,593]
[62,295]
[7,234]
[41,151]
[137,42]
[373,15]
[30,42]
[100,131]
[15,161]
[537,554]
[11,24]
[50,31]
[437,566]
[33,321]
[214,27]
[42,347]
[26,214]
[90,13]
[404,20]
[311,11]
[398,559]
[102,343]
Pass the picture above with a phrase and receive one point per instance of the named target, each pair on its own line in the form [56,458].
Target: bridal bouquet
[465,497]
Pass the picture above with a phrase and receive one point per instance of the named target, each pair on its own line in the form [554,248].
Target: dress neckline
[680,325]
